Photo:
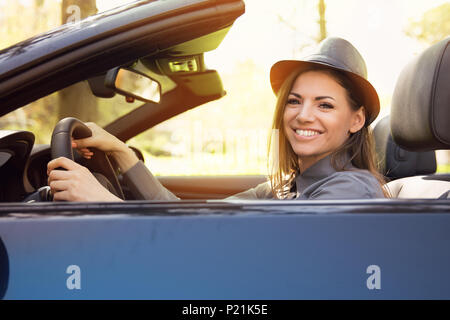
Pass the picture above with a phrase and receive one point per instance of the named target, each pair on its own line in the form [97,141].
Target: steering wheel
[99,165]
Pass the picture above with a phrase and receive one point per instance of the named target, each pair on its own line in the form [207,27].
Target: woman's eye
[293,101]
[326,106]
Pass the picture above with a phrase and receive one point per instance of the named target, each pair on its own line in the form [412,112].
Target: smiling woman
[320,116]
[325,105]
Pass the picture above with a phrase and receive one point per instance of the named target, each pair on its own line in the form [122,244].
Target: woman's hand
[100,139]
[75,184]
[106,142]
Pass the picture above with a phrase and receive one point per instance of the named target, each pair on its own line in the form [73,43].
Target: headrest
[420,111]
[395,162]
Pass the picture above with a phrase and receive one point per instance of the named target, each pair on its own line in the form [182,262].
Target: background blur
[229,136]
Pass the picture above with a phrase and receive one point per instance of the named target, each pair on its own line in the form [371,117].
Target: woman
[323,146]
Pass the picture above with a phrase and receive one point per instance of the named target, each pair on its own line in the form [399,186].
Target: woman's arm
[261,191]
[144,185]
[78,184]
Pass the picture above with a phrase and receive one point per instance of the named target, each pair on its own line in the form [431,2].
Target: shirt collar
[318,171]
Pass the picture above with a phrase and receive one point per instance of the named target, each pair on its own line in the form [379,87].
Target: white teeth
[306,133]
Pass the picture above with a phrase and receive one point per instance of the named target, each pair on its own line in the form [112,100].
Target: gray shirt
[320,181]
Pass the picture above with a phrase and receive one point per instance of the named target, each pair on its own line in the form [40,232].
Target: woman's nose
[305,113]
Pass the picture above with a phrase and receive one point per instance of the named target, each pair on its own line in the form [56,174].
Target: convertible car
[151,53]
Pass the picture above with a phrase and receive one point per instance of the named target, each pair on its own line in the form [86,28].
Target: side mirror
[133,84]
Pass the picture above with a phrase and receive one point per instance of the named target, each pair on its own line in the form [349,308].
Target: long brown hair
[283,161]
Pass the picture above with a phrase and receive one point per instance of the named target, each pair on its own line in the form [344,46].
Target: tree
[322,21]
[77,100]
[433,26]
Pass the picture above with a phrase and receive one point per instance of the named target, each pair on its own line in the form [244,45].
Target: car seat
[420,118]
[393,161]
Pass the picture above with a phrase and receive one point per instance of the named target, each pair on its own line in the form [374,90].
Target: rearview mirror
[133,84]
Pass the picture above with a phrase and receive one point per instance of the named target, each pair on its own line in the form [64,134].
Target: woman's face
[318,118]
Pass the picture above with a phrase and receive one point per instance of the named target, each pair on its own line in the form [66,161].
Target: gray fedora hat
[337,54]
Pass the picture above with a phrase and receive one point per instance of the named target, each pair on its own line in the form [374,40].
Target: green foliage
[443,168]
[20,21]
[433,26]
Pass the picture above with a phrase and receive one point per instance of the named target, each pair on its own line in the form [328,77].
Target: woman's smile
[307,134]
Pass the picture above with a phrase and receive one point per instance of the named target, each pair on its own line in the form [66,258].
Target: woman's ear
[359,118]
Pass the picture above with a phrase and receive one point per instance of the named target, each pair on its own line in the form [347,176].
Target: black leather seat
[420,118]
[394,162]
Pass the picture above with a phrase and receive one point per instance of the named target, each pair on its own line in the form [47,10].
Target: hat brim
[282,69]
